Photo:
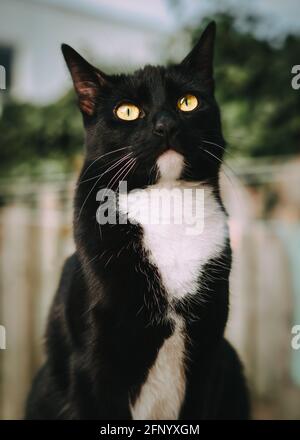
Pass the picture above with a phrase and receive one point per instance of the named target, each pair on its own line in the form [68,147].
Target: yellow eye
[187,103]
[128,112]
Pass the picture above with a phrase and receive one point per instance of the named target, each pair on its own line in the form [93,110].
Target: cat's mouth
[171,146]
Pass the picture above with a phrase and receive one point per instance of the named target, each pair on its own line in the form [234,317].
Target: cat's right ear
[201,56]
[87,79]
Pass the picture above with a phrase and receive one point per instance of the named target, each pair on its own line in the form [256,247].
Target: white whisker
[106,171]
[103,155]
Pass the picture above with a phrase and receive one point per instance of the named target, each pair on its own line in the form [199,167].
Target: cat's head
[159,122]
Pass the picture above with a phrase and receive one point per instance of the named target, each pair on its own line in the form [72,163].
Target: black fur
[105,327]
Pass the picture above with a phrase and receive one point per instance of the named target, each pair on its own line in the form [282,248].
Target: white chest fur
[179,247]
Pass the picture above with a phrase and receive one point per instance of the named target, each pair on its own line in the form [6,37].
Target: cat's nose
[164,124]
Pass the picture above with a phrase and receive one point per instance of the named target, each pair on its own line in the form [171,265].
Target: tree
[30,133]
[253,78]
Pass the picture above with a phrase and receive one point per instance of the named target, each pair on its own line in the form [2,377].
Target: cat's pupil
[128,111]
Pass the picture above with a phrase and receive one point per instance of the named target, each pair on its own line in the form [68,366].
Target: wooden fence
[36,236]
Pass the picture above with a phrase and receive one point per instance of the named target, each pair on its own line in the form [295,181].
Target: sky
[279,16]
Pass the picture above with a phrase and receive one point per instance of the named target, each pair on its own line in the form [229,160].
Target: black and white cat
[136,327]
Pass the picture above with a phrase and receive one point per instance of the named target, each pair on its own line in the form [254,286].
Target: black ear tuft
[201,56]
[87,79]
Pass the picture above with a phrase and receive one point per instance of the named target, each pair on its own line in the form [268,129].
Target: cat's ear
[201,56]
[87,79]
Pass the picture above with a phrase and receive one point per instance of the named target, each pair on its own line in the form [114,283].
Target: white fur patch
[170,165]
[163,392]
[178,255]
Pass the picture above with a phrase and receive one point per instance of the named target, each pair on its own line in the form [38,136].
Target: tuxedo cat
[136,329]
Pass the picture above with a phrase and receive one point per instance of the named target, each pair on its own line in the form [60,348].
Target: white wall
[107,36]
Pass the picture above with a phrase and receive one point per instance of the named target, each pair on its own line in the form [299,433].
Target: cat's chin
[170,165]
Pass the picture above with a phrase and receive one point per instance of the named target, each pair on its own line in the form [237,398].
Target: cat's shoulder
[71,270]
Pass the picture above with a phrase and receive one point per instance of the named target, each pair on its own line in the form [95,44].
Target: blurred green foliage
[259,107]
[30,133]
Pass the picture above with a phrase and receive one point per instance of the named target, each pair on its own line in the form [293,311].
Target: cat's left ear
[87,80]
[201,56]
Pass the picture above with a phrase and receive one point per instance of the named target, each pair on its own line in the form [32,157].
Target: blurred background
[41,140]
